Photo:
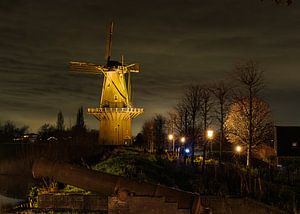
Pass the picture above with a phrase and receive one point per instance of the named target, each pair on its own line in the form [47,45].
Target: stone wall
[224,205]
[121,204]
[145,205]
[72,202]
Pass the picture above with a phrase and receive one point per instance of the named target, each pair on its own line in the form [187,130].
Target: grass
[146,167]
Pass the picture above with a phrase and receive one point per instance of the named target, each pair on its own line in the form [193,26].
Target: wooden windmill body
[116,111]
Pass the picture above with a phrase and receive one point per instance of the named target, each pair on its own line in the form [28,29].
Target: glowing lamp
[187,150]
[182,139]
[238,149]
[210,134]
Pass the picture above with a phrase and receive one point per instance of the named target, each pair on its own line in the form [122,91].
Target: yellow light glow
[170,136]
[238,149]
[210,134]
[182,139]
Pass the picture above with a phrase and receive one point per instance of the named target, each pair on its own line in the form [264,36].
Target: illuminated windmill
[116,110]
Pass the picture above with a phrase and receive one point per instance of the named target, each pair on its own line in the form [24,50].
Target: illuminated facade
[116,111]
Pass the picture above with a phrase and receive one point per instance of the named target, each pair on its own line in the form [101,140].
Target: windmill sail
[108,44]
[115,110]
[85,67]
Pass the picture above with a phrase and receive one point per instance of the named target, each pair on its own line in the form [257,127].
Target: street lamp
[171,138]
[210,134]
[182,140]
[238,149]
[187,150]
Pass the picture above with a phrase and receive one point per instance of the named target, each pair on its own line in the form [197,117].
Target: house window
[294,144]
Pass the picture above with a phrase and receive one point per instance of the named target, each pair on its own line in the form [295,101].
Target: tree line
[9,131]
[234,108]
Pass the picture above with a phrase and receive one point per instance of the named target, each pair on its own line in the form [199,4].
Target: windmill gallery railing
[112,113]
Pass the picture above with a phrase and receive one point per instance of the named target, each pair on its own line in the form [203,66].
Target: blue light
[187,150]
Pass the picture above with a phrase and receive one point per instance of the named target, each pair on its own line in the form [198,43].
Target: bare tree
[205,113]
[147,133]
[9,131]
[238,123]
[159,131]
[192,103]
[222,94]
[45,131]
[171,122]
[182,122]
[250,83]
[194,114]
[154,133]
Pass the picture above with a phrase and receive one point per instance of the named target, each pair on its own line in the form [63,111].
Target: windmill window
[116,97]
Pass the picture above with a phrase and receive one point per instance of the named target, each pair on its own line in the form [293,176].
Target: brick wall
[221,205]
[72,201]
[114,204]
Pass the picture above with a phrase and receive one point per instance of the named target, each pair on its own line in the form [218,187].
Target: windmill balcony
[115,113]
[125,110]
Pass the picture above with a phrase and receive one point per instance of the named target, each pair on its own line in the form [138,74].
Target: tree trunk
[222,132]
[204,157]
[250,128]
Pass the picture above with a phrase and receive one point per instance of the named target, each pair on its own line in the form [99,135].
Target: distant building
[287,141]
[26,138]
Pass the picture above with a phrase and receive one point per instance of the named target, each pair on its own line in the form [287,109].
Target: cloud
[177,43]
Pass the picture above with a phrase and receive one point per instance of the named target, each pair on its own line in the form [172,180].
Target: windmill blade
[108,44]
[85,67]
[133,68]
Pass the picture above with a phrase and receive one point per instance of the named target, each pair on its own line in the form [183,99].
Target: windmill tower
[116,110]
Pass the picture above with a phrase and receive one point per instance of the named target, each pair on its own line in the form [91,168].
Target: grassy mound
[147,167]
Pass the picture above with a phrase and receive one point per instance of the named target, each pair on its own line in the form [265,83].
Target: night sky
[176,42]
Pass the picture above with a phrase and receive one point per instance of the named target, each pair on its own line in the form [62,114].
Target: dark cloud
[177,42]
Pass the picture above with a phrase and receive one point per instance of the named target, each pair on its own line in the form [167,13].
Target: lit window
[294,144]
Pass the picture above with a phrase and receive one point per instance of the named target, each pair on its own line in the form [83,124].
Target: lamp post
[182,140]
[171,138]
[238,149]
[208,136]
[184,151]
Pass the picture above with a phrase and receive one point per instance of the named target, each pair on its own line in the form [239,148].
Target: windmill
[116,109]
